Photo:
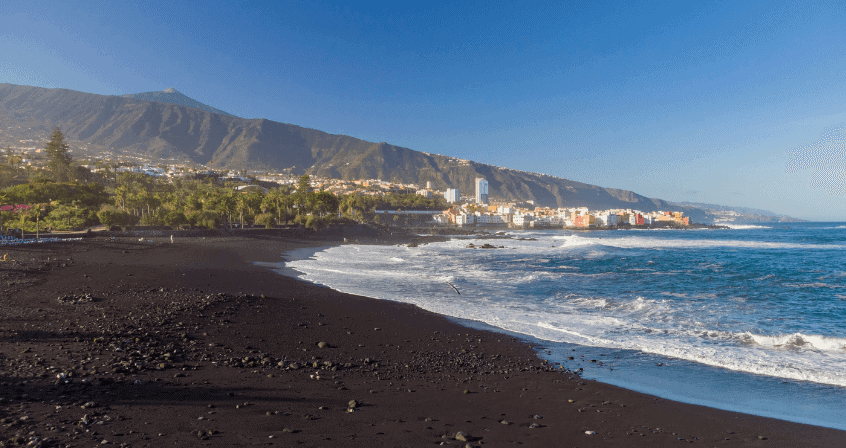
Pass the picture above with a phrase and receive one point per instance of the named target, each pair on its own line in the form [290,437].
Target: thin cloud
[827,157]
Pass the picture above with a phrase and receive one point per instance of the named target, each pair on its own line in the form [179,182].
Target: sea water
[749,319]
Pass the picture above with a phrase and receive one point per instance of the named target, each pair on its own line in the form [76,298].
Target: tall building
[452,195]
[428,184]
[481,190]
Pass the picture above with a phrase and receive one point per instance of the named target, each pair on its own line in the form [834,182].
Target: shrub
[174,218]
[110,216]
[265,219]
[312,222]
[205,219]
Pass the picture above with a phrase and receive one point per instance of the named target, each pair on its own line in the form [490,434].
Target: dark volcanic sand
[189,344]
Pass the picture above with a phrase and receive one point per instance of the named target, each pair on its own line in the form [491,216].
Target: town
[449,207]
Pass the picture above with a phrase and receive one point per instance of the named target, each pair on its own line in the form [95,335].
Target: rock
[322,344]
[353,404]
[537,417]
[590,433]
[462,436]
[505,422]
[534,425]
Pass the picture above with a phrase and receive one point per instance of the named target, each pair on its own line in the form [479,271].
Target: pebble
[462,436]
[590,433]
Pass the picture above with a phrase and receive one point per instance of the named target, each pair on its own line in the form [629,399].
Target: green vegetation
[67,198]
[58,157]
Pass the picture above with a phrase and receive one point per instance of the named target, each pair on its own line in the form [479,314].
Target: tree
[111,216]
[67,217]
[58,157]
[242,205]
[325,202]
[174,218]
[303,194]
[265,219]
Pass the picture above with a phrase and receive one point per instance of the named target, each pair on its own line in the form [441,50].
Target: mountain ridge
[173,96]
[165,130]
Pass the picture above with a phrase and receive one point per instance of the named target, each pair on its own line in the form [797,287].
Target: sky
[739,103]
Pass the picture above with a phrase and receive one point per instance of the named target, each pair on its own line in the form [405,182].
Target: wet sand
[192,344]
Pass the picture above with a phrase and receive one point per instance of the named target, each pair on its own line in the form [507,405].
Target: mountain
[157,129]
[172,96]
[738,215]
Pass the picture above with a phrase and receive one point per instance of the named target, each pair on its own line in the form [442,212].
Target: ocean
[750,319]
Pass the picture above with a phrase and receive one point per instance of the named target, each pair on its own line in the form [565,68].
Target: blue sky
[735,103]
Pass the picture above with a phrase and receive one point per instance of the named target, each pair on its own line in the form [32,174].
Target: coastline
[707,385]
[418,377]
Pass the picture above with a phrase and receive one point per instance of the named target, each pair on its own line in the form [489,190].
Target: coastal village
[477,209]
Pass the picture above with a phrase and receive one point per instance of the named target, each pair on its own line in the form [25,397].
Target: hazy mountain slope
[723,214]
[173,96]
[219,141]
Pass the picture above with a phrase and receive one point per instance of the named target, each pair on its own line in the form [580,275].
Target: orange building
[585,220]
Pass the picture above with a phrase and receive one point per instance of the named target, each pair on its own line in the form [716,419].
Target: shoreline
[651,380]
[226,323]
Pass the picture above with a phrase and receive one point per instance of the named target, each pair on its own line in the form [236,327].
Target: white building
[425,193]
[500,219]
[463,220]
[607,219]
[520,220]
[482,218]
[452,195]
[481,190]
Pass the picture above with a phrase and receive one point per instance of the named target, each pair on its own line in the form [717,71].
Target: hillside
[165,130]
[172,96]
[738,215]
